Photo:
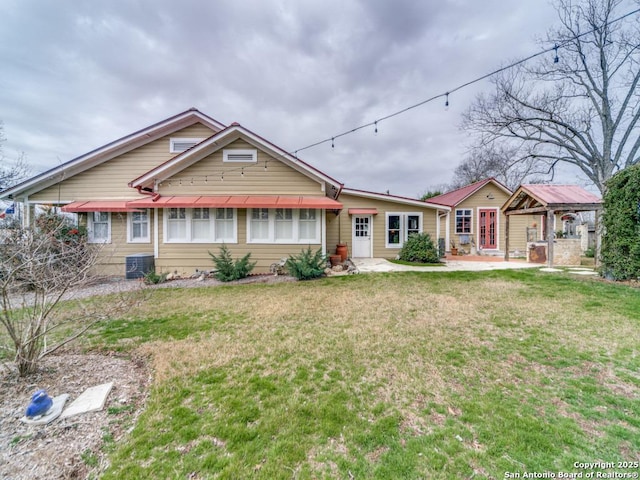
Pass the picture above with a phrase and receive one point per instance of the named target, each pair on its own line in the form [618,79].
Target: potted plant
[454,249]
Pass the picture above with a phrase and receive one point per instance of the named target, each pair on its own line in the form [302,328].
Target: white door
[361,239]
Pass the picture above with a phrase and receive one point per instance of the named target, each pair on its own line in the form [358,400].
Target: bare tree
[11,171]
[40,267]
[581,107]
[509,165]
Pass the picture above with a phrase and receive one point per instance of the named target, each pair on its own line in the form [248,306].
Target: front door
[361,239]
[488,228]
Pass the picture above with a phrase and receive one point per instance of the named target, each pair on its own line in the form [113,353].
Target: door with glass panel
[361,239]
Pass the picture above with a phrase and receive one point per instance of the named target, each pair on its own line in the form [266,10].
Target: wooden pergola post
[506,238]
[550,235]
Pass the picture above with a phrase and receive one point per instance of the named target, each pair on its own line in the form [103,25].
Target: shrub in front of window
[419,248]
[228,269]
[307,265]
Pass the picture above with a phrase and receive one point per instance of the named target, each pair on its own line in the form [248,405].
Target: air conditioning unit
[138,265]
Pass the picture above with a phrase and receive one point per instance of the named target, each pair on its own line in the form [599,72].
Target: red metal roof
[98,206]
[237,201]
[556,194]
[453,198]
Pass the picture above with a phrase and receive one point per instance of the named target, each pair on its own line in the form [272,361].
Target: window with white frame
[178,145]
[259,225]
[307,225]
[225,225]
[283,225]
[176,225]
[463,220]
[99,227]
[200,225]
[400,225]
[138,227]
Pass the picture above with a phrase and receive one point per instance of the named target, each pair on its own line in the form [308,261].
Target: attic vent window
[240,156]
[178,145]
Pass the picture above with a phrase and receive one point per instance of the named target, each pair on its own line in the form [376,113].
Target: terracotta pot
[341,249]
[335,260]
[454,251]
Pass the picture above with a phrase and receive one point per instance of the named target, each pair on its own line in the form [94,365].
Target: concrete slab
[365,265]
[551,269]
[51,414]
[91,400]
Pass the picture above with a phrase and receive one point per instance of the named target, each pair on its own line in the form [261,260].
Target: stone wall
[567,251]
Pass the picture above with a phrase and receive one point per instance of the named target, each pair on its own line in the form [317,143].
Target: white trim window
[99,227]
[179,145]
[464,220]
[138,230]
[399,225]
[200,225]
[240,155]
[225,227]
[283,225]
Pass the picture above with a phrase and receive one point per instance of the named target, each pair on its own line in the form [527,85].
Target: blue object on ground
[40,403]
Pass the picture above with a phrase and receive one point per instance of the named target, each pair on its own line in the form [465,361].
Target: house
[182,187]
[476,224]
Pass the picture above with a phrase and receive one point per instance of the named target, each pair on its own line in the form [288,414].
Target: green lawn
[404,375]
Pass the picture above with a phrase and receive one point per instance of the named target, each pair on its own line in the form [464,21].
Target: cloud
[77,75]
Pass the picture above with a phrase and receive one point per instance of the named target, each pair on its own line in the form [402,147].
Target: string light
[446,94]
[464,85]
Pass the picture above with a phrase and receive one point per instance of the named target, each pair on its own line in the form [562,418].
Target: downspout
[155,196]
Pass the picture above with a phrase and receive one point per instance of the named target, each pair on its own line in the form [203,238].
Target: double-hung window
[176,225]
[99,226]
[200,225]
[259,225]
[283,225]
[463,220]
[399,226]
[138,227]
[225,225]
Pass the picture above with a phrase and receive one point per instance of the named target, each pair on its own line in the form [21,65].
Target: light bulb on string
[192,181]
[206,179]
[242,172]
[446,102]
[265,165]
[376,127]
[332,142]
[222,177]
[556,59]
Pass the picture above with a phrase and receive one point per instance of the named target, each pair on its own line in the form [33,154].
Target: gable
[216,175]
[113,150]
[110,179]
[238,138]
[455,197]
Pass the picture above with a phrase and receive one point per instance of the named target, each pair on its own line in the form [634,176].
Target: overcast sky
[78,74]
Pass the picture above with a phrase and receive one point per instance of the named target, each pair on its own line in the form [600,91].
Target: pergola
[549,200]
